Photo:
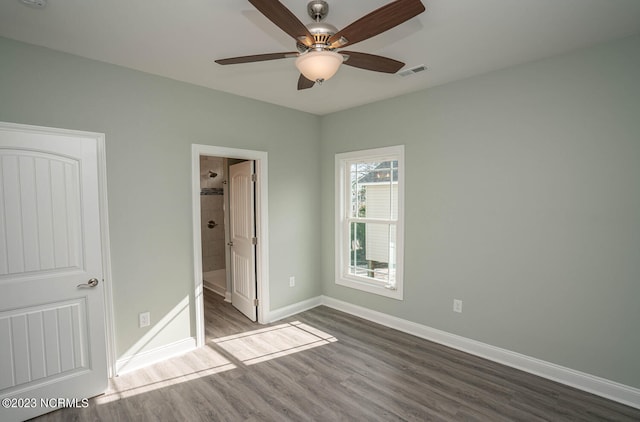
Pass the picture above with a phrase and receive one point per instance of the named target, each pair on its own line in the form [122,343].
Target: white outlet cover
[457,305]
[144,319]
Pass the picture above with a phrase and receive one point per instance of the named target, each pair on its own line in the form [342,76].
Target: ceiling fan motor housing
[321,32]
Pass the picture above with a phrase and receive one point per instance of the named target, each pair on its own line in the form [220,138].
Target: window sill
[371,288]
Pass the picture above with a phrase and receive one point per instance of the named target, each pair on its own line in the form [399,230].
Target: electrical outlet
[457,305]
[144,319]
[292,281]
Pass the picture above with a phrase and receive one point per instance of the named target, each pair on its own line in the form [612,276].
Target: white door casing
[54,343]
[261,160]
[242,234]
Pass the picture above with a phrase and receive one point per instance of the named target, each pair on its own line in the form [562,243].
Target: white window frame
[342,237]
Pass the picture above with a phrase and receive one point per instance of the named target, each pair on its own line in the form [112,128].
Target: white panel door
[241,234]
[51,320]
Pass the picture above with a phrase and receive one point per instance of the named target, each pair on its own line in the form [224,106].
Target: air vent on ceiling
[413,70]
[39,4]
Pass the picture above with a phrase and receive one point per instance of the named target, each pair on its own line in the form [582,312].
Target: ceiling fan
[317,43]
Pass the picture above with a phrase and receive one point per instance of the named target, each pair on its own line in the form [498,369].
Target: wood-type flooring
[325,365]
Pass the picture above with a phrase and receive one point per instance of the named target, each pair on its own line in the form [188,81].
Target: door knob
[91,283]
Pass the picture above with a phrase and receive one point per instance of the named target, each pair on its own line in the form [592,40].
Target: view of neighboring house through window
[369,220]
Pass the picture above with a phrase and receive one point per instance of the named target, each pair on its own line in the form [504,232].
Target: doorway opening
[230,251]
[214,228]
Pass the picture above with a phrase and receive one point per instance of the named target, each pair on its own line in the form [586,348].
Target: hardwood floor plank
[325,365]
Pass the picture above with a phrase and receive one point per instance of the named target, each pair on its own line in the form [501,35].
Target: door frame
[262,226]
[104,224]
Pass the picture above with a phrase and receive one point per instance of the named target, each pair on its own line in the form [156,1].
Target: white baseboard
[583,381]
[295,308]
[580,380]
[149,357]
[215,289]
[227,297]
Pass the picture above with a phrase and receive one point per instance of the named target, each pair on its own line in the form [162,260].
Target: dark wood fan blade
[304,83]
[284,19]
[372,62]
[257,58]
[378,21]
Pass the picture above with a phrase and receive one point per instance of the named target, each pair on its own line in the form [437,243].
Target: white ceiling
[180,39]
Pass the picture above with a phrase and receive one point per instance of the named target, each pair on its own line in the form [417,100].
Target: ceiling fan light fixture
[319,65]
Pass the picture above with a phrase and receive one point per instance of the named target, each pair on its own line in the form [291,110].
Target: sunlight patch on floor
[273,342]
[199,363]
[246,348]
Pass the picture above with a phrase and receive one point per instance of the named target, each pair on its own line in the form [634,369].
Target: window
[369,220]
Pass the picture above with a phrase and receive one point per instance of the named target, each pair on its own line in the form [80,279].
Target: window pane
[394,190]
[373,251]
[392,254]
[357,193]
[374,189]
[357,248]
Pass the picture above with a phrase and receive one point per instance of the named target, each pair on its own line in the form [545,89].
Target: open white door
[52,326]
[242,235]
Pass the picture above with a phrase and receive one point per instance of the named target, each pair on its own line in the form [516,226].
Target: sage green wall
[522,194]
[523,200]
[150,123]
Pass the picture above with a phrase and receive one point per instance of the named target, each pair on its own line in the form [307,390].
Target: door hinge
[254,177]
[254,240]
[255,302]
